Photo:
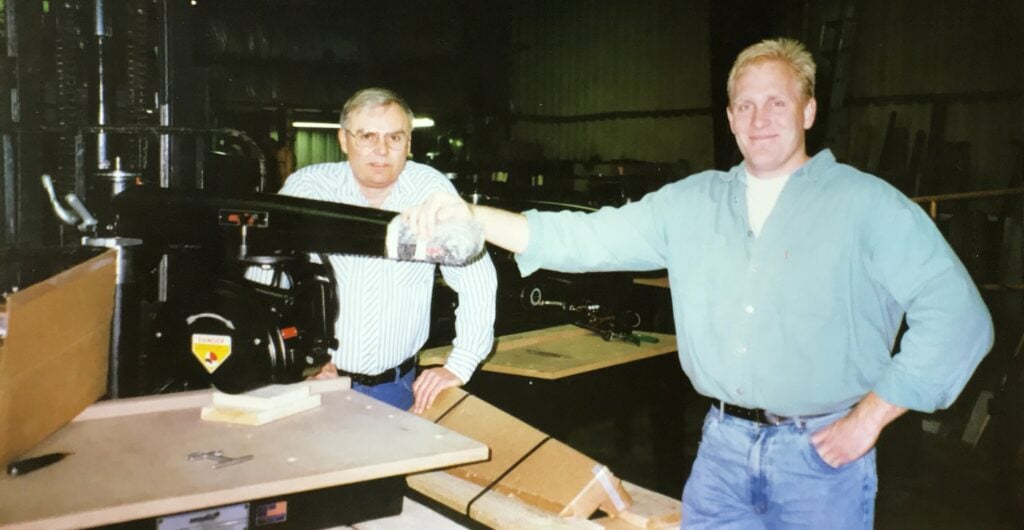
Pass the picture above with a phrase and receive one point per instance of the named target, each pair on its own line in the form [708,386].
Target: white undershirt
[761,197]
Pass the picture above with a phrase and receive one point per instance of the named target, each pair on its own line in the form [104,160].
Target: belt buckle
[774,419]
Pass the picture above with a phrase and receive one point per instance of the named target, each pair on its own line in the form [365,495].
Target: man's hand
[327,371]
[439,206]
[429,384]
[853,435]
[507,230]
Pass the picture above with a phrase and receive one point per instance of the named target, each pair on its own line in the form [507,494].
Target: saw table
[130,458]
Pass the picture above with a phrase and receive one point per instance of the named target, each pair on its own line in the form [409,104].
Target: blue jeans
[398,393]
[748,476]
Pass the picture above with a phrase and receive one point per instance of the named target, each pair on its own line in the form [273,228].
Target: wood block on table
[261,415]
[262,398]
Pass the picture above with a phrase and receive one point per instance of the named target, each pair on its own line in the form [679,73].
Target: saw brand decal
[211,350]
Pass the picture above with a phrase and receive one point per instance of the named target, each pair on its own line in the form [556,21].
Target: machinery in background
[602,302]
[101,96]
[111,99]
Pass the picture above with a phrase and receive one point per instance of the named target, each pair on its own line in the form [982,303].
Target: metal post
[101,88]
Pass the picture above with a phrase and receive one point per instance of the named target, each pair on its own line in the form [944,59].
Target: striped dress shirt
[384,305]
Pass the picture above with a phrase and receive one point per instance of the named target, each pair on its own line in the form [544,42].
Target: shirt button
[750,233]
[753,268]
[741,349]
[739,391]
[748,309]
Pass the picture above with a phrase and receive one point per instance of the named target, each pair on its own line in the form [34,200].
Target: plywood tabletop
[130,458]
[560,351]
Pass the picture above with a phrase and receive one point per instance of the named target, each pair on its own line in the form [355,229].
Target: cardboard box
[53,360]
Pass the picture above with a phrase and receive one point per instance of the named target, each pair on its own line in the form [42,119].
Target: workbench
[558,352]
[130,457]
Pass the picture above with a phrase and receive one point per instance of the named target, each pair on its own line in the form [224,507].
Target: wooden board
[494,509]
[130,457]
[650,510]
[53,360]
[526,463]
[557,352]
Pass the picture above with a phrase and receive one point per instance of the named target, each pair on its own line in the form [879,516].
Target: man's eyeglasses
[369,139]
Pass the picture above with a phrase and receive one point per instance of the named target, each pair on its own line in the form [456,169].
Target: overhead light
[417,123]
[422,123]
[315,125]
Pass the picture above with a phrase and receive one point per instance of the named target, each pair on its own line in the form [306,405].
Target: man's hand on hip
[429,384]
[853,435]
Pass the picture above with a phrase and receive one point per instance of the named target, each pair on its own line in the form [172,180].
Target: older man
[384,305]
[790,277]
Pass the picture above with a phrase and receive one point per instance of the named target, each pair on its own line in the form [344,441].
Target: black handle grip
[28,465]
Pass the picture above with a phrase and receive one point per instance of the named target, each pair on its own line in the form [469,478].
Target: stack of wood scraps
[262,405]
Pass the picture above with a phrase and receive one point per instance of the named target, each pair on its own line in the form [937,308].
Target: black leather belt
[760,415]
[388,376]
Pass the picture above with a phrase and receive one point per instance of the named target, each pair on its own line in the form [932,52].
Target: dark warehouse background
[587,102]
[926,94]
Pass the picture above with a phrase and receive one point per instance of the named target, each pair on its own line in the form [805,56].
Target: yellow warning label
[211,350]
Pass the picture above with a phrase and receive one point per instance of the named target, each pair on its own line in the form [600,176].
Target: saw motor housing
[238,334]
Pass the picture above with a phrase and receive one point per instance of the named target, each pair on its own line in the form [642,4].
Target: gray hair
[373,97]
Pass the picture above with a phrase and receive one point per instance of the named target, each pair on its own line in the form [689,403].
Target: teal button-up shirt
[802,319]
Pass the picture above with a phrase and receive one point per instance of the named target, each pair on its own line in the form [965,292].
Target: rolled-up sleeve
[476,285]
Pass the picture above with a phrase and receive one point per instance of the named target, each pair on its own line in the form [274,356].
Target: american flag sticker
[272,512]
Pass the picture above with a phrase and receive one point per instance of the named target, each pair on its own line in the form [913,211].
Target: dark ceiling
[445,57]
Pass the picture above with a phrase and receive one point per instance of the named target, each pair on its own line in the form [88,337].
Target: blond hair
[373,97]
[789,51]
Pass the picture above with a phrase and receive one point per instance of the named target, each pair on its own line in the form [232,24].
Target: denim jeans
[749,476]
[398,393]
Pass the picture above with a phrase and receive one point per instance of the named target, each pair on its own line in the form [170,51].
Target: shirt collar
[350,189]
[811,169]
[814,167]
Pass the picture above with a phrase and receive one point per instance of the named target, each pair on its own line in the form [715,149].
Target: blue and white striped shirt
[384,305]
